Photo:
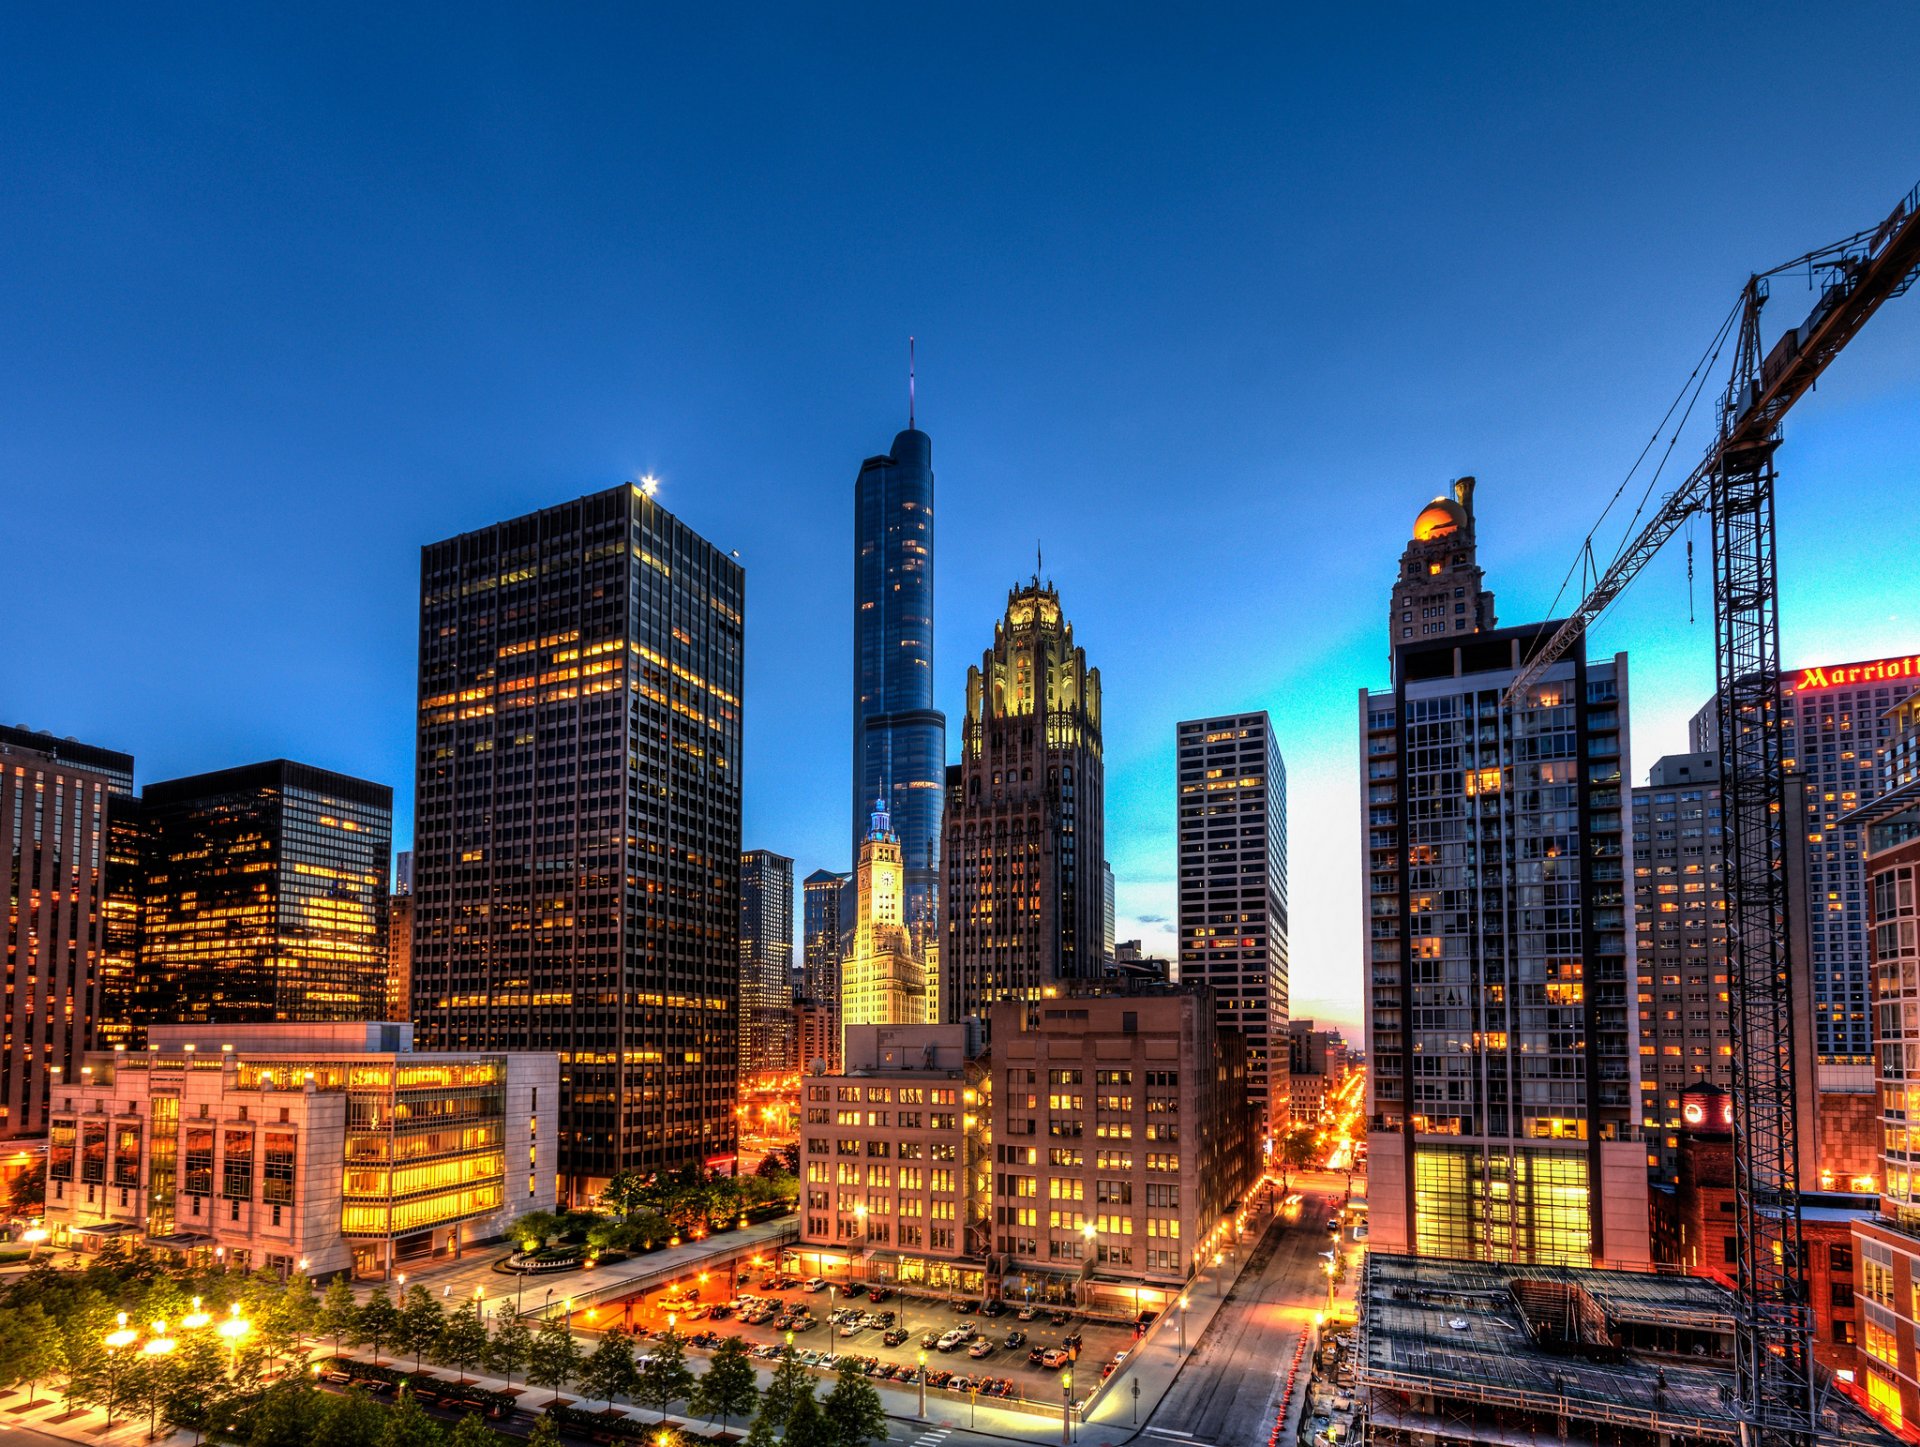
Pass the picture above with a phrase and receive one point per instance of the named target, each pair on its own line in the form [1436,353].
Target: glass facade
[899,737]
[265,896]
[766,960]
[1501,1044]
[577,851]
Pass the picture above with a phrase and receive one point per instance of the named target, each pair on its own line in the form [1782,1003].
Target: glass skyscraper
[899,737]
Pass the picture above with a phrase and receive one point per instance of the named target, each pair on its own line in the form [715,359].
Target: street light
[33,1236]
[1066,1404]
[196,1318]
[159,1345]
[923,1386]
[233,1328]
[1184,1303]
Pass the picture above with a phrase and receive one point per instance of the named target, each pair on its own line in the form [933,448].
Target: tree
[407,1425]
[198,1388]
[609,1371]
[84,1364]
[852,1412]
[545,1433]
[377,1321]
[422,1320]
[759,1433]
[296,1311]
[284,1416]
[664,1379]
[29,1348]
[27,1192]
[1296,1152]
[464,1341]
[805,1426]
[336,1312]
[650,1227]
[730,1387]
[352,1419]
[512,1340]
[624,1193]
[790,1383]
[554,1359]
[472,1431]
[538,1227]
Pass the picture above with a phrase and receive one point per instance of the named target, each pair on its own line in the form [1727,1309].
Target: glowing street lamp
[1066,1404]
[196,1318]
[116,1342]
[923,1386]
[1185,1302]
[33,1236]
[233,1329]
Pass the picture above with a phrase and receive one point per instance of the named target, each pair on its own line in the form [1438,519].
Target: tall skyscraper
[54,798]
[1686,1024]
[823,946]
[1504,1073]
[1835,720]
[884,980]
[899,737]
[577,821]
[766,955]
[1233,888]
[1026,840]
[264,896]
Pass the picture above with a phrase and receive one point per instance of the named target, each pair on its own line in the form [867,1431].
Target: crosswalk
[933,1437]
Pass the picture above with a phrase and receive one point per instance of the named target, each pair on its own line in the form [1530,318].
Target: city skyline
[1054,418]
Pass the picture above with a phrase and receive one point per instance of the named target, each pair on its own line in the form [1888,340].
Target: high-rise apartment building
[1680,922]
[54,800]
[899,737]
[1233,888]
[1504,1062]
[264,896]
[1026,841]
[400,957]
[766,956]
[1887,1246]
[883,980]
[823,945]
[577,821]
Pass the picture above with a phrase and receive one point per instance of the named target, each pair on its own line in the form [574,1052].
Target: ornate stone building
[884,980]
[1025,839]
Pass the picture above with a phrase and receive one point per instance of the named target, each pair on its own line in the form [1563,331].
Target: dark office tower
[823,946]
[1440,587]
[265,896]
[899,737]
[576,850]
[1504,1069]
[766,955]
[54,798]
[124,1004]
[1026,842]
[1233,889]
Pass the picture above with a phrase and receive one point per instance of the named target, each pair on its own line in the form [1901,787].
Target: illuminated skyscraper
[577,826]
[265,896]
[883,980]
[824,896]
[766,953]
[1503,1056]
[1233,889]
[1026,841]
[899,737]
[55,797]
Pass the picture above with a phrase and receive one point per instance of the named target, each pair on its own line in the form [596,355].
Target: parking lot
[918,1324]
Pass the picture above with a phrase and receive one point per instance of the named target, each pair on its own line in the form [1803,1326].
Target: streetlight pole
[1066,1407]
[116,1341]
[923,1386]
[1136,1399]
[1183,1324]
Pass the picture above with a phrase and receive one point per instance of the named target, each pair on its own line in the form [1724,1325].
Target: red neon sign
[1883,670]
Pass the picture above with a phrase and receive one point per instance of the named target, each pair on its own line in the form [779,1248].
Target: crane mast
[1734,483]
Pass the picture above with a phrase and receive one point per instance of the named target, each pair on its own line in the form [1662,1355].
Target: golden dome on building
[1439,518]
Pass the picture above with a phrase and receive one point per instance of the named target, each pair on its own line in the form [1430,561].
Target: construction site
[1457,1352]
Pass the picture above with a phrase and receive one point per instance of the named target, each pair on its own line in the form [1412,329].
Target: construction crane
[1734,484]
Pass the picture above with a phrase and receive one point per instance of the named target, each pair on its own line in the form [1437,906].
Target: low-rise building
[1123,1141]
[893,1159]
[334,1147]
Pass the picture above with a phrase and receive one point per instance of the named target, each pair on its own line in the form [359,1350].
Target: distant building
[1440,589]
[1316,1065]
[899,737]
[816,1039]
[1233,887]
[1503,1076]
[399,957]
[577,821]
[1025,846]
[1107,906]
[55,801]
[766,957]
[884,980]
[1132,962]
[311,1147]
[403,872]
[264,896]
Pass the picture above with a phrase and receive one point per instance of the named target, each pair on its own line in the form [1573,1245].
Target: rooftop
[1631,1348]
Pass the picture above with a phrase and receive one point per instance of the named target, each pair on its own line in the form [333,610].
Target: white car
[815,1283]
[951,1340]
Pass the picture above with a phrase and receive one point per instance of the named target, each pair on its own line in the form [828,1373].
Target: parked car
[1016,1340]
[894,1337]
[1026,1313]
[880,1294]
[1053,1359]
[981,1348]
[853,1289]
[951,1340]
[1057,1318]
[960,1384]
[966,1308]
[996,1307]
[695,1312]
[929,1340]
[1035,1355]
[816,1283]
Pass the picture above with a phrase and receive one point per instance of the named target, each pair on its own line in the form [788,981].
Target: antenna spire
[1039,562]
[909,383]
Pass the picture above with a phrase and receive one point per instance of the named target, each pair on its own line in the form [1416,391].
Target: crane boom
[1866,269]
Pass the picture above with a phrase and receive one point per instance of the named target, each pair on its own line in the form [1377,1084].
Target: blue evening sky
[1209,299]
